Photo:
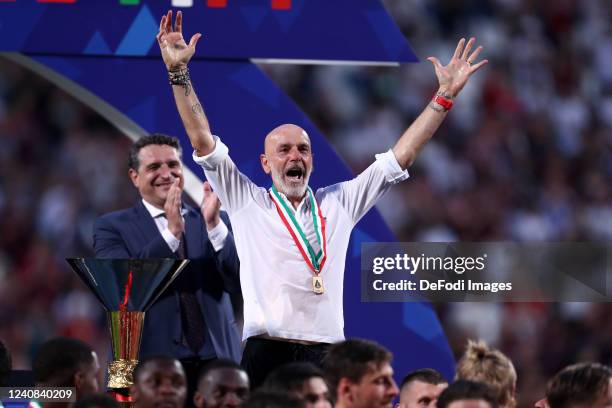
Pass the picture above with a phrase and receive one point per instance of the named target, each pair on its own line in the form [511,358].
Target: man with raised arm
[291,240]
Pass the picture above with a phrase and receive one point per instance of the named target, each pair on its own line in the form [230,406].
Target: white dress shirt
[216,236]
[276,282]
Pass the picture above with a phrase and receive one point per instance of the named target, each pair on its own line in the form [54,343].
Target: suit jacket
[132,233]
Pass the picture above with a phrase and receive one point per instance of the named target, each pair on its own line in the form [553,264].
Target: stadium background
[524,155]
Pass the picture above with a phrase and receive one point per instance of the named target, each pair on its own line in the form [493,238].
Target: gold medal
[317,285]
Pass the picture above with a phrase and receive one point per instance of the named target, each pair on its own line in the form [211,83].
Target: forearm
[193,117]
[420,131]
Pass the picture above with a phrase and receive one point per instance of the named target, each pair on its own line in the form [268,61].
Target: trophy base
[120,373]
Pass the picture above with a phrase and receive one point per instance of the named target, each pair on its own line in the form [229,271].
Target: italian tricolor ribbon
[314,261]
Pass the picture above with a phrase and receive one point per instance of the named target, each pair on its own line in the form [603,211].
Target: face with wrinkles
[288,159]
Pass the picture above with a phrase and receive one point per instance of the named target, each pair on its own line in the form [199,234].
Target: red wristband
[444,102]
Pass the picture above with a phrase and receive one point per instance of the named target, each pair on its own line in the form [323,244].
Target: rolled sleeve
[214,158]
[217,236]
[391,168]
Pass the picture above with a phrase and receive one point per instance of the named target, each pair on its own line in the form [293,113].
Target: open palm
[175,52]
[454,76]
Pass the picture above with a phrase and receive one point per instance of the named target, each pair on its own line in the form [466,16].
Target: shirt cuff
[391,168]
[217,236]
[212,159]
[172,241]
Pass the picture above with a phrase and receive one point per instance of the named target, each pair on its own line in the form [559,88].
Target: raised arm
[176,54]
[451,78]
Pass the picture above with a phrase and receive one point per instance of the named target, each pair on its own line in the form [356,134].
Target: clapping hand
[172,209]
[210,207]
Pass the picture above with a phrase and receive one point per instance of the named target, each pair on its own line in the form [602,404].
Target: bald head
[288,159]
[279,133]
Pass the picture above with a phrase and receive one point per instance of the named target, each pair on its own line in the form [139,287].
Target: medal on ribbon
[315,261]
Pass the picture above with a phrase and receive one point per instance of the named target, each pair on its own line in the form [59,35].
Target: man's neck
[342,404]
[295,202]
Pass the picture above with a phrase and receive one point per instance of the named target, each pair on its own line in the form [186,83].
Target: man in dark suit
[193,320]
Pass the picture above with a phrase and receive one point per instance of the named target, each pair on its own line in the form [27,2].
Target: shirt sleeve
[217,236]
[234,189]
[360,194]
[391,168]
[172,241]
[214,158]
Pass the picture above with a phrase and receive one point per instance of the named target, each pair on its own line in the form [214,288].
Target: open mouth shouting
[295,174]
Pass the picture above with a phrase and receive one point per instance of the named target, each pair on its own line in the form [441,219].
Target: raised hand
[172,209]
[210,207]
[175,52]
[453,77]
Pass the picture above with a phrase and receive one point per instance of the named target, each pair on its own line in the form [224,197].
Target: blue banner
[354,30]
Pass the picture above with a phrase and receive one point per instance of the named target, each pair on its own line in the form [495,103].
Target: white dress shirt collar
[158,212]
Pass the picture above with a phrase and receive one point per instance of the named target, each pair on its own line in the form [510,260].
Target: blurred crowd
[50,193]
[523,156]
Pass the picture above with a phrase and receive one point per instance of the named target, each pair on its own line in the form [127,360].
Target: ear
[198,399]
[345,391]
[78,379]
[264,163]
[133,176]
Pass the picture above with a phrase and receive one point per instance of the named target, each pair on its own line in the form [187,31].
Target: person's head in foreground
[302,380]
[359,374]
[467,394]
[154,165]
[66,362]
[222,383]
[159,381]
[287,159]
[421,388]
[272,399]
[490,366]
[580,386]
